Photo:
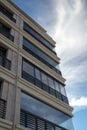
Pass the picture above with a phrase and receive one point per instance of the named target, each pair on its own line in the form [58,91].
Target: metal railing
[44,87]
[36,123]
[2,108]
[5,62]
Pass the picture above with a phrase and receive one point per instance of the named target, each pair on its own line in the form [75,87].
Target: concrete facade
[13,83]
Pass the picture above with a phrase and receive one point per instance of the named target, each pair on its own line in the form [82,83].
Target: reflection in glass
[50,82]
[44,111]
[44,78]
[28,68]
[63,91]
[37,74]
[57,86]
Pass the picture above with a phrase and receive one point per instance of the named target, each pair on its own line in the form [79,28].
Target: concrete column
[12,32]
[5,88]
[14,16]
[9,54]
[14,62]
[10,102]
[19,22]
[18,106]
[20,66]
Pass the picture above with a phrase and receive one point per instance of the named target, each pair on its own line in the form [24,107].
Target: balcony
[7,13]
[44,87]
[34,122]
[2,108]
[5,62]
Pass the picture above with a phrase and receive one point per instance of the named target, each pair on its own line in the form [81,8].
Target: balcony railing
[44,87]
[7,34]
[6,13]
[2,108]
[5,62]
[37,123]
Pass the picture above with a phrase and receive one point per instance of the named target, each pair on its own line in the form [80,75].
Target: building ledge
[5,124]
[45,97]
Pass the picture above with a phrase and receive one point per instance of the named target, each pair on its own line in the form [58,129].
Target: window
[28,68]
[36,35]
[63,91]
[2,52]
[50,82]
[44,78]
[37,74]
[57,86]
[3,60]
[7,13]
[4,30]
[39,54]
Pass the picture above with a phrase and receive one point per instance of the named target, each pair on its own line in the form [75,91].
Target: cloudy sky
[66,22]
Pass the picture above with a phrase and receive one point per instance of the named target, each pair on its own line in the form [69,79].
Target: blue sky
[66,22]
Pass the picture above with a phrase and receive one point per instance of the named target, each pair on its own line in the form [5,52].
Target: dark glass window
[7,13]
[3,60]
[28,68]
[36,35]
[37,74]
[2,52]
[63,91]
[57,85]
[50,82]
[39,54]
[4,30]
[44,78]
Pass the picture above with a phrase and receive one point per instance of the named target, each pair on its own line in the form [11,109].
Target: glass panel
[31,31]
[50,82]
[57,86]
[38,52]
[63,91]
[28,68]
[43,110]
[37,74]
[44,78]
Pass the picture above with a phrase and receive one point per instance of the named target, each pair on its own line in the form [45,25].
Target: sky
[66,22]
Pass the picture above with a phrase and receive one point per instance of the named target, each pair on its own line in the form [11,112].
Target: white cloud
[79,104]
[70,33]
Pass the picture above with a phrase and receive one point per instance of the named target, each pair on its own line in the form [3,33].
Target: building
[32,89]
